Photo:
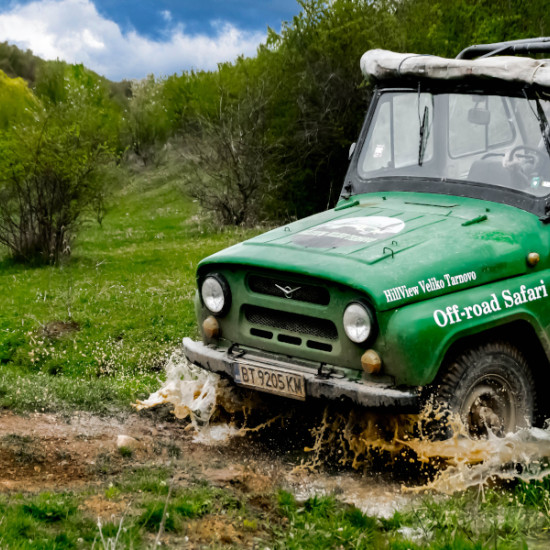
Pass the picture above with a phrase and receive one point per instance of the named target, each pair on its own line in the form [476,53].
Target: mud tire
[491,387]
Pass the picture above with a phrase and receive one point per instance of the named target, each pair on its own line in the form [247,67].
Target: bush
[51,158]
[231,154]
[47,177]
[146,123]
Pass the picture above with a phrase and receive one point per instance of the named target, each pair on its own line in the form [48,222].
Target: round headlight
[215,294]
[357,323]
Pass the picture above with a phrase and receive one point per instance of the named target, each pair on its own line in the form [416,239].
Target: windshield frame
[355,184]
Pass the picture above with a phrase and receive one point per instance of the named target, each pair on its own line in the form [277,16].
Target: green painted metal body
[434,269]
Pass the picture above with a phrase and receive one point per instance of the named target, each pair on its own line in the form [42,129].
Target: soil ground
[50,452]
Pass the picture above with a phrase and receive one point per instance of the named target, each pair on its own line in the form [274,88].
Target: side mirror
[479,116]
[351,150]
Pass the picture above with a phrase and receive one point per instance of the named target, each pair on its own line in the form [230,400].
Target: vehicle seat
[490,170]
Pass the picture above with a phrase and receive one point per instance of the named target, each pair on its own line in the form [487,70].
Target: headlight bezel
[371,335]
[226,292]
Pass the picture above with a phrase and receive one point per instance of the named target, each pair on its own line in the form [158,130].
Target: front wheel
[491,388]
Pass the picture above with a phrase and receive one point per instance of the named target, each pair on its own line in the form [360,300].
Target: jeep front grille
[291,322]
[272,286]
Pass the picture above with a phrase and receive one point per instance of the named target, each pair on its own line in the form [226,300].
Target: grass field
[149,507]
[94,334]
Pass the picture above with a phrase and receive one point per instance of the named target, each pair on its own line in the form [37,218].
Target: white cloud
[74,31]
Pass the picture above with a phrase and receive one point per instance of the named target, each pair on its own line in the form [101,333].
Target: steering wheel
[531,152]
[525,165]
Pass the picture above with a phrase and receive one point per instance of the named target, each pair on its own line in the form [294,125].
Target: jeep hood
[398,248]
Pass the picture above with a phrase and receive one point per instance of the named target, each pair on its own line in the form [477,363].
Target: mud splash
[349,439]
[522,455]
[365,441]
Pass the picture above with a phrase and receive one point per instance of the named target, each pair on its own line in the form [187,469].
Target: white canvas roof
[383,64]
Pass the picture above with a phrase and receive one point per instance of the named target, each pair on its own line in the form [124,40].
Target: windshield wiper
[424,133]
[540,115]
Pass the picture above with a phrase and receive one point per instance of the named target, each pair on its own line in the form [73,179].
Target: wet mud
[257,443]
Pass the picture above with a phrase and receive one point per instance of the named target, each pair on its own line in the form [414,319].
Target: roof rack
[511,47]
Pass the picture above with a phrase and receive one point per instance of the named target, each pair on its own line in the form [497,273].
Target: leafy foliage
[18,63]
[18,102]
[147,125]
[51,155]
[231,154]
[269,135]
[316,96]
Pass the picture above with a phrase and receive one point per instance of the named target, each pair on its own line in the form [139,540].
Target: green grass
[499,519]
[323,522]
[94,333]
[64,520]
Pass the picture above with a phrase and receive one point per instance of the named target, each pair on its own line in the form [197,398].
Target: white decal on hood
[428,285]
[456,314]
[349,232]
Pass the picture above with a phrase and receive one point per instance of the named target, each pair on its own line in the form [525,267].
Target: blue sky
[133,38]
[149,16]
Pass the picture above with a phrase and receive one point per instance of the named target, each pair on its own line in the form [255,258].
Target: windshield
[489,139]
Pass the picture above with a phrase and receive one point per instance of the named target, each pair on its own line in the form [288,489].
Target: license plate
[271,380]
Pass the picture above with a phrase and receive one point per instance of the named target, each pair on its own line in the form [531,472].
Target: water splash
[371,494]
[521,455]
[216,434]
[360,439]
[356,439]
[191,390]
[203,397]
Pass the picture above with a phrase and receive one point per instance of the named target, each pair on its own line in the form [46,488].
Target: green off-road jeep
[431,276]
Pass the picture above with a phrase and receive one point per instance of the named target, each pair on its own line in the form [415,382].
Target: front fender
[415,339]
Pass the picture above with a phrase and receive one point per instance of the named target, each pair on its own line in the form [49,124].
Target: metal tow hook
[321,374]
[238,353]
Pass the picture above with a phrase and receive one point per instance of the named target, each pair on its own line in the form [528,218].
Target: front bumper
[323,386]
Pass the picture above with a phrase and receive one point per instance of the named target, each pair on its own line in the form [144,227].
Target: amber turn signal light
[533,258]
[371,362]
[211,327]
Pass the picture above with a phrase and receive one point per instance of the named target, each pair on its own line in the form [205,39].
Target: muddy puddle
[375,461]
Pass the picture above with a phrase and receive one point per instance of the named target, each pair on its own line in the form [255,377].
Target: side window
[477,124]
[530,129]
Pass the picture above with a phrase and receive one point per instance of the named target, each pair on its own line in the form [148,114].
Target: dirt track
[48,451]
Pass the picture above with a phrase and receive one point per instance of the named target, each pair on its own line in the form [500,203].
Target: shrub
[146,122]
[231,156]
[51,157]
